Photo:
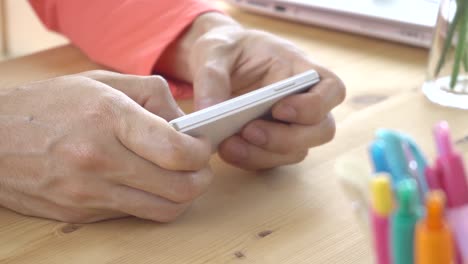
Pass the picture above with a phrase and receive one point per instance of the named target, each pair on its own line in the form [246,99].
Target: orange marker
[434,241]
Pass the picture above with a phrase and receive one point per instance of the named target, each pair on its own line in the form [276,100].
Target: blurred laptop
[405,21]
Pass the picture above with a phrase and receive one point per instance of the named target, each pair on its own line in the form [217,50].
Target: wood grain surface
[294,214]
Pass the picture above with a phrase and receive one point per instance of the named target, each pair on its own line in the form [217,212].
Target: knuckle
[341,94]
[177,149]
[157,85]
[192,185]
[76,216]
[329,130]
[341,89]
[71,78]
[287,148]
[84,156]
[168,214]
[216,42]
[288,145]
[76,194]
[300,155]
[337,84]
[320,109]
[94,73]
[102,110]
[316,109]
[159,92]
[105,104]
[213,70]
[185,191]
[180,156]
[158,79]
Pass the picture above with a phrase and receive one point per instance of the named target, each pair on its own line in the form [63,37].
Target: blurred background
[21,31]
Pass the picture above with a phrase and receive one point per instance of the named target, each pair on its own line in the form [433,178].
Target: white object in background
[354,175]
[405,21]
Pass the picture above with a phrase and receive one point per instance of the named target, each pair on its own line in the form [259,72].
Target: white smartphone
[225,119]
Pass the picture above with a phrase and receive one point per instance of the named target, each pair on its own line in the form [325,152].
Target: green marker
[404,221]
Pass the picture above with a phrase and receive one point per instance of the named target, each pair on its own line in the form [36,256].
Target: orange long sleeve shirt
[126,35]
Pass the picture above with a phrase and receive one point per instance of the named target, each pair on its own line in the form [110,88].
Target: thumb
[212,84]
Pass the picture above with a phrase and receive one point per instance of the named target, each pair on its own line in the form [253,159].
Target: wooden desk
[295,214]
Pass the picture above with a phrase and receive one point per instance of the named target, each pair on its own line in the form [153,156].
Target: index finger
[152,138]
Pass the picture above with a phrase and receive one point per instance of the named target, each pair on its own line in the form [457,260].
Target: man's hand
[225,59]
[95,146]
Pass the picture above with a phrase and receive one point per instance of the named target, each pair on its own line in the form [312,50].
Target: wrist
[174,61]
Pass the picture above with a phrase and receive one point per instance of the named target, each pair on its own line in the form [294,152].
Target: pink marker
[458,221]
[449,166]
[448,174]
[381,208]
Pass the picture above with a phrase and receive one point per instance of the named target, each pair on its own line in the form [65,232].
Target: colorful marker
[458,221]
[394,154]
[448,174]
[416,167]
[377,155]
[381,208]
[451,168]
[404,221]
[433,238]
[421,163]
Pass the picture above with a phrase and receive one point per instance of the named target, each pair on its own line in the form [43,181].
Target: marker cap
[407,196]
[451,166]
[381,194]
[394,154]
[435,210]
[404,221]
[434,241]
[377,154]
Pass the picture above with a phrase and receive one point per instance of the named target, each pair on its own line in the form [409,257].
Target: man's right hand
[95,146]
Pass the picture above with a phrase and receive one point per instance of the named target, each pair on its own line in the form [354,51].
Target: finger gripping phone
[225,119]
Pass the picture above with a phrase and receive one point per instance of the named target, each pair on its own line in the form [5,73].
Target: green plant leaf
[465,54]
[448,39]
[460,49]
[465,60]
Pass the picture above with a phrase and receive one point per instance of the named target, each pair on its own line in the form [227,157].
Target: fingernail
[287,112]
[255,135]
[238,150]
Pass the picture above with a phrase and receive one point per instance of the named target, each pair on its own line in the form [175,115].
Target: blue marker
[377,155]
[394,155]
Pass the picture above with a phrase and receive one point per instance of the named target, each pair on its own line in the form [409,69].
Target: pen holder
[411,179]
[354,176]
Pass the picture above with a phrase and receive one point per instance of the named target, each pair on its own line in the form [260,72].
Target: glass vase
[447,79]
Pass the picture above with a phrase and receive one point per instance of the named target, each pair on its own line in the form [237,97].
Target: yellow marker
[381,194]
[381,200]
[434,241]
